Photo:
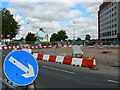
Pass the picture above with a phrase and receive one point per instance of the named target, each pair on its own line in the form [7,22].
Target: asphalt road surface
[55,75]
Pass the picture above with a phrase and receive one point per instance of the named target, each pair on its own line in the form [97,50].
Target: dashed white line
[59,70]
[113,81]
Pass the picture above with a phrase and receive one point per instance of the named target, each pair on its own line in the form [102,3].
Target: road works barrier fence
[27,47]
[82,62]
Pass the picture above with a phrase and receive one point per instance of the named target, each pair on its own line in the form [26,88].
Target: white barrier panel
[46,57]
[77,61]
[35,55]
[40,46]
[17,46]
[60,59]
[9,47]
[5,47]
[45,46]
[13,46]
[70,45]
[50,46]
[27,50]
[94,62]
[65,45]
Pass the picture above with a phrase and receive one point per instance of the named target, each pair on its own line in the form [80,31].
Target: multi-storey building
[109,21]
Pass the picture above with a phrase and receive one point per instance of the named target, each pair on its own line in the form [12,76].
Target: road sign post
[20,68]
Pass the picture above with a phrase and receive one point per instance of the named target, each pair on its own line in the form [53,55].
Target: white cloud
[49,15]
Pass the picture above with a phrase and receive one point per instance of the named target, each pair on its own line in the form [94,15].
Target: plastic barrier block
[67,60]
[52,58]
[2,47]
[19,48]
[40,57]
[60,59]
[87,62]
[46,57]
[11,47]
[77,61]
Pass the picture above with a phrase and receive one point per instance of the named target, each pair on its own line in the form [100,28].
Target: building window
[112,15]
[115,32]
[112,9]
[112,32]
[112,20]
[112,26]
[115,13]
[115,25]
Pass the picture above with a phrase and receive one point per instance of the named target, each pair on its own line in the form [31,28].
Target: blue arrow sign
[20,67]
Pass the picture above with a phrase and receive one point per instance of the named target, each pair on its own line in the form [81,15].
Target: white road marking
[113,81]
[59,70]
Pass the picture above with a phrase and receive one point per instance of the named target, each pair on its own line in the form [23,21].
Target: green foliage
[21,39]
[87,37]
[53,37]
[78,39]
[30,37]
[61,35]
[10,27]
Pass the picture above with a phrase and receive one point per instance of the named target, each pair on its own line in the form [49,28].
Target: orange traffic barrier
[52,58]
[87,62]
[19,48]
[40,57]
[67,60]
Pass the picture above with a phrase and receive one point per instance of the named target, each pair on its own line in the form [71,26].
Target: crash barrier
[82,62]
[103,46]
[27,47]
[33,47]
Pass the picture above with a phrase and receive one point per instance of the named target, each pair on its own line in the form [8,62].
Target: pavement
[55,75]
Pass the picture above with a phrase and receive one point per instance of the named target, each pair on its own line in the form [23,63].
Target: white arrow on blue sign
[20,67]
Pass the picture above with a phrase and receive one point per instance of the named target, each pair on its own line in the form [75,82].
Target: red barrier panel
[11,47]
[87,62]
[40,57]
[52,58]
[30,47]
[34,47]
[38,47]
[19,48]
[67,60]
[2,47]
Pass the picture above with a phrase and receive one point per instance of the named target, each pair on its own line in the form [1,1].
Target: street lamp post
[73,31]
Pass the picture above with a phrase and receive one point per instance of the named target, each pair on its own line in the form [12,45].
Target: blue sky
[5,4]
[49,17]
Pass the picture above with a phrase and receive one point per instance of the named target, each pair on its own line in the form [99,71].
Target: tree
[30,37]
[78,39]
[10,27]
[87,37]
[61,35]
[21,39]
[53,37]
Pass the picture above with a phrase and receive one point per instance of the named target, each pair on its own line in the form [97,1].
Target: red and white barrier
[27,47]
[82,62]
